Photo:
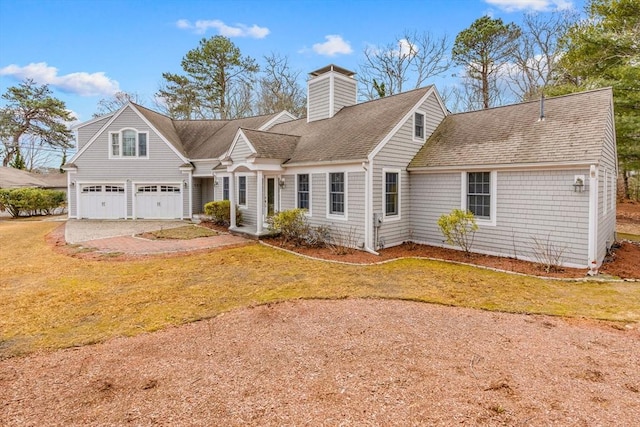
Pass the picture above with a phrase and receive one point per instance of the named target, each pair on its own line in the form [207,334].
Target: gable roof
[270,145]
[201,139]
[353,132]
[16,178]
[573,130]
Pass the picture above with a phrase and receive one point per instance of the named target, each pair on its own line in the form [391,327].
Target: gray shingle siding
[288,193]
[540,204]
[161,166]
[249,212]
[607,208]
[240,151]
[344,93]
[396,154]
[85,133]
[318,99]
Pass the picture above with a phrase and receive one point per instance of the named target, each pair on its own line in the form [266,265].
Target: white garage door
[162,201]
[102,201]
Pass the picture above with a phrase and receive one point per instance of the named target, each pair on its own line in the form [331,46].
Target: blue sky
[86,50]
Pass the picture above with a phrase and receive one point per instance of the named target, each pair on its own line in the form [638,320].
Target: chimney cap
[332,67]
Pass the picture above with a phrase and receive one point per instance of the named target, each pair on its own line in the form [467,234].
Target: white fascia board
[113,118]
[91,121]
[505,167]
[252,167]
[94,137]
[235,142]
[270,123]
[400,123]
[324,163]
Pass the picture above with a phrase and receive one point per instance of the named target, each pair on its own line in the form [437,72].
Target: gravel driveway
[77,231]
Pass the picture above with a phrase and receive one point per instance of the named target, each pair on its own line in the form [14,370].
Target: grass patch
[51,301]
[180,233]
[627,236]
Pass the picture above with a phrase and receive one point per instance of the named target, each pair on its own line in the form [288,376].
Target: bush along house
[536,175]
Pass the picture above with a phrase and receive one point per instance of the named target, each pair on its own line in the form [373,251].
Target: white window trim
[384,194]
[309,211]
[246,189]
[424,126]
[120,141]
[493,193]
[329,215]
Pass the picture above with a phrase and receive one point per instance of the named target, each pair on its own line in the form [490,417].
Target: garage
[158,201]
[102,201]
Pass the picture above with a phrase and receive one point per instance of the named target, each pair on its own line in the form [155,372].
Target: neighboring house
[16,178]
[376,173]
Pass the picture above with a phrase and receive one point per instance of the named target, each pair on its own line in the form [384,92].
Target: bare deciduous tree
[115,102]
[279,88]
[536,57]
[408,62]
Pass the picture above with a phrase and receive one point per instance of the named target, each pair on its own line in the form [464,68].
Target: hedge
[31,201]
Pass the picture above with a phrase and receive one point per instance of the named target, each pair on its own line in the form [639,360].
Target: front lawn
[50,301]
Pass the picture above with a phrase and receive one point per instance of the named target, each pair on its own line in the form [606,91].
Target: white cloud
[81,83]
[333,46]
[240,30]
[531,5]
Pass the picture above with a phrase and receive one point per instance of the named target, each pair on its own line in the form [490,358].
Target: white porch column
[232,200]
[260,202]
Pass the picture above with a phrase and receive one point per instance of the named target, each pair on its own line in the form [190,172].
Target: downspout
[593,221]
[368,206]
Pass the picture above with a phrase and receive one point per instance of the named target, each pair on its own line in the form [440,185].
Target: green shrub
[291,224]
[459,228]
[31,201]
[220,212]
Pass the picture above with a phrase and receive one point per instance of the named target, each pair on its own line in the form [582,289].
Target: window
[169,189]
[242,190]
[303,191]
[336,193]
[391,181]
[479,194]
[418,123]
[113,189]
[225,188]
[128,143]
[115,145]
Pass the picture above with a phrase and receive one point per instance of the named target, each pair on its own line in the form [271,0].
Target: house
[377,173]
[16,178]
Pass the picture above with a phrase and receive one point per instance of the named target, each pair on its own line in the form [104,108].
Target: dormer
[328,90]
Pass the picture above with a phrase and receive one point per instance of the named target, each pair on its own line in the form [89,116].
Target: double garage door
[109,201]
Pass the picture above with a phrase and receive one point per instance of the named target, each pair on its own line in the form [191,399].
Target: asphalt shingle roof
[573,130]
[353,132]
[200,139]
[271,145]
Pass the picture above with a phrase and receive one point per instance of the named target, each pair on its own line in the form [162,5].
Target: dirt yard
[346,362]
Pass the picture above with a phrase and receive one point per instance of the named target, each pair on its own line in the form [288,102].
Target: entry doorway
[270,198]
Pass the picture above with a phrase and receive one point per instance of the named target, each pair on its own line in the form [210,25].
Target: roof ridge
[551,98]
[269,132]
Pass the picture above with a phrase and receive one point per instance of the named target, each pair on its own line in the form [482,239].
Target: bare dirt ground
[346,362]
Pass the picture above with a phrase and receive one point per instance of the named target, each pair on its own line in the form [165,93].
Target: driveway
[78,231]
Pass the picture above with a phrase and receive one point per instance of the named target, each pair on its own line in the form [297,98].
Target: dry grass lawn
[51,301]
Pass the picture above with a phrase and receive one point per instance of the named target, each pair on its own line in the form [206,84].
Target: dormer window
[418,125]
[128,143]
